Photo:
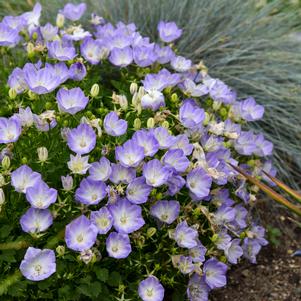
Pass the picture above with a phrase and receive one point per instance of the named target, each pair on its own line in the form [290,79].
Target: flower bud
[137,124]
[214,238]
[42,153]
[174,97]
[60,20]
[150,122]
[60,250]
[86,256]
[2,180]
[151,232]
[94,90]
[133,88]
[207,118]
[67,182]
[31,95]
[30,49]
[12,93]
[5,162]
[135,99]
[123,102]
[141,92]
[216,105]
[165,124]
[2,197]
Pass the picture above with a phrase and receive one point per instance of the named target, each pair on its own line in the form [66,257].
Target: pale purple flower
[163,137]
[77,34]
[220,92]
[197,289]
[93,50]
[82,139]
[115,126]
[38,264]
[150,289]
[78,164]
[121,174]
[90,192]
[198,253]
[48,31]
[10,129]
[181,64]
[155,173]
[224,215]
[166,211]
[189,87]
[251,248]
[215,273]
[8,36]
[121,57]
[169,31]
[32,18]
[153,100]
[67,182]
[137,191]
[61,50]
[240,216]
[245,144]
[175,184]
[25,116]
[40,196]
[77,71]
[249,110]
[14,22]
[182,142]
[71,101]
[231,130]
[147,141]
[185,264]
[129,154]
[222,240]
[23,177]
[36,220]
[118,245]
[263,147]
[185,236]
[127,217]
[176,160]
[164,54]
[233,251]
[101,170]
[190,114]
[80,234]
[199,183]
[74,12]
[16,80]
[59,70]
[257,233]
[102,219]
[144,55]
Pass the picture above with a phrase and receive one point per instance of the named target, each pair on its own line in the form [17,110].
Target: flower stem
[14,245]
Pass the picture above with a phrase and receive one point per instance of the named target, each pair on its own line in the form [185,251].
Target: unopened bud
[135,99]
[165,124]
[30,49]
[5,162]
[123,102]
[151,232]
[207,119]
[216,105]
[60,20]
[31,95]
[150,123]
[133,88]
[86,256]
[137,124]
[60,250]
[94,90]
[67,182]
[12,93]
[2,197]
[141,92]
[214,238]
[42,154]
[2,180]
[174,97]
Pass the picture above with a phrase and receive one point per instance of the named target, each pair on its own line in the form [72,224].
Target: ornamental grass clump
[117,165]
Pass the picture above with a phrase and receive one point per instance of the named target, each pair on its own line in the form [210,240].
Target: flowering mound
[116,165]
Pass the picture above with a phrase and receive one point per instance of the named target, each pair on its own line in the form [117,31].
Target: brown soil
[277,275]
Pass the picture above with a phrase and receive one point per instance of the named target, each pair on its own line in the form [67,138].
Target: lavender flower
[101,170]
[176,160]
[10,129]
[197,289]
[182,142]
[38,264]
[93,50]
[78,164]
[168,31]
[151,289]
[166,211]
[16,80]
[153,100]
[198,253]
[8,36]
[127,217]
[224,215]
[249,110]
[233,251]
[185,265]
[199,183]
[121,57]
[130,154]
[114,126]
[59,70]
[189,87]
[164,54]
[121,174]
[118,245]
[71,101]
[175,184]
[155,173]
[185,236]
[23,178]
[137,191]
[77,71]
[220,92]
[67,182]
[82,139]
[80,234]
[180,64]
[251,248]
[163,137]
[74,12]
[25,116]
[245,145]
[102,219]
[144,55]
[215,273]
[90,192]
[36,220]
[147,141]
[48,32]
[190,114]
[61,50]
[40,196]
[263,147]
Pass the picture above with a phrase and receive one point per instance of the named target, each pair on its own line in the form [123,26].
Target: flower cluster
[142,140]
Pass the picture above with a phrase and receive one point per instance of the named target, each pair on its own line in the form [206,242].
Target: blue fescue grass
[252,49]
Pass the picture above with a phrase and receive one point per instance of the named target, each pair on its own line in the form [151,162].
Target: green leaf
[114,279]
[8,256]
[102,274]
[5,230]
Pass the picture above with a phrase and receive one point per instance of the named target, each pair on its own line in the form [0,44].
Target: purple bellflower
[118,245]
